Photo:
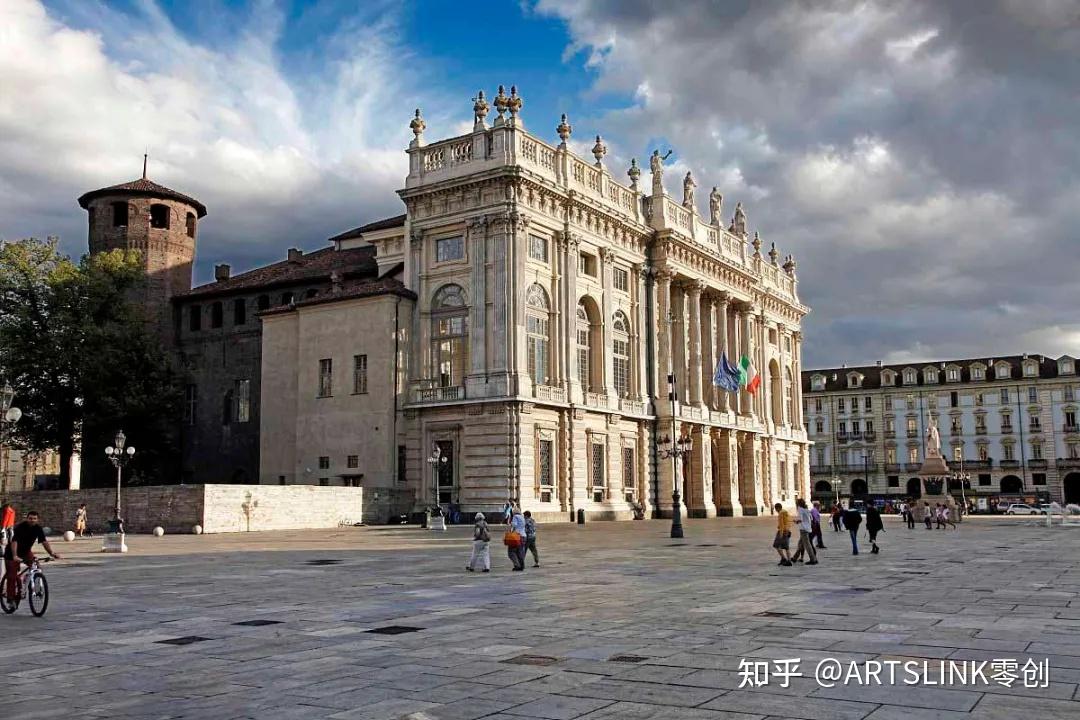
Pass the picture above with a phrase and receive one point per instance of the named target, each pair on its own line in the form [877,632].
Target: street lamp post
[438,521]
[963,479]
[9,415]
[674,448]
[118,455]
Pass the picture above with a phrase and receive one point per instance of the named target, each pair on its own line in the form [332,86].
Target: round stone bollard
[196,530]
[159,531]
[69,536]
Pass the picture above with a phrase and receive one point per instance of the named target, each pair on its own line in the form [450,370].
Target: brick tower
[159,222]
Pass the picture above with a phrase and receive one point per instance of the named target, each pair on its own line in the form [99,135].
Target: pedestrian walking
[508,511]
[806,545]
[939,516]
[530,539]
[815,525]
[80,520]
[946,516]
[515,539]
[928,515]
[836,517]
[874,525]
[481,537]
[782,540]
[852,521]
[910,516]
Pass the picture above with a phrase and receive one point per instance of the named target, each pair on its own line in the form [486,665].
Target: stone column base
[706,512]
[114,543]
[734,510]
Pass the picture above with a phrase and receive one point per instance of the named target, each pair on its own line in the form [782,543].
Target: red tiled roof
[384,224]
[350,291]
[353,263]
[143,188]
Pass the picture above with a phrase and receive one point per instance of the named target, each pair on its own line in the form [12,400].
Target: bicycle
[33,586]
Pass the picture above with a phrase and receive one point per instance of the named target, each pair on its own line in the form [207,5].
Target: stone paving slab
[620,623]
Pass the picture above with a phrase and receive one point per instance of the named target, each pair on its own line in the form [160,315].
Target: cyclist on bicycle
[21,547]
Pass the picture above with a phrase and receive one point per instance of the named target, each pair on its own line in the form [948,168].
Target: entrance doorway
[1072,488]
[1011,485]
[914,488]
[446,471]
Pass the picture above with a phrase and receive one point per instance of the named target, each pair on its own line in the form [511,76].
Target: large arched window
[775,392]
[537,329]
[589,366]
[620,336]
[449,335]
[789,396]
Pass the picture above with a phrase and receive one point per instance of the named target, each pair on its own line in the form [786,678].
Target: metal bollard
[581,516]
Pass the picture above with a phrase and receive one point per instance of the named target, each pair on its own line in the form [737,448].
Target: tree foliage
[82,360]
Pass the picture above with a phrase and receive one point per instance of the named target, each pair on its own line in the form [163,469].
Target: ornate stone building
[512,335]
[1008,423]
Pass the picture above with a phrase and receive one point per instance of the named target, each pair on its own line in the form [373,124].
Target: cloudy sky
[920,159]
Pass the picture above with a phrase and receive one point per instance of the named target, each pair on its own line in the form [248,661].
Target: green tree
[82,360]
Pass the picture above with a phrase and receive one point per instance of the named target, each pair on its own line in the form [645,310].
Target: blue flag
[726,376]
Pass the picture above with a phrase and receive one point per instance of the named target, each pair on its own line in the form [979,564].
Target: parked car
[1023,509]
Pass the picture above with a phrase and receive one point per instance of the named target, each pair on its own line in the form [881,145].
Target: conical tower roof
[143,188]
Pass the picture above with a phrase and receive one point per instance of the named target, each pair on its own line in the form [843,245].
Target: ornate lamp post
[9,415]
[118,455]
[962,478]
[676,450]
[437,522]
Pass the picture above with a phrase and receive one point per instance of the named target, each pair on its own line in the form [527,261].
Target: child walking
[530,539]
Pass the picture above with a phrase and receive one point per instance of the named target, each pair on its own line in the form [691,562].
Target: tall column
[664,364]
[796,380]
[573,387]
[678,341]
[746,330]
[694,318]
[640,333]
[607,263]
[723,345]
[477,244]
[515,324]
[764,393]
[699,500]
[785,393]
[727,473]
[500,341]
[708,353]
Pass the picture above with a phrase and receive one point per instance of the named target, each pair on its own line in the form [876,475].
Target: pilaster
[727,472]
[699,494]
[693,298]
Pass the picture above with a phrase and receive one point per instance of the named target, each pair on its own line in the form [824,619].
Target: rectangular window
[894,481]
[191,404]
[869,426]
[1070,418]
[980,423]
[1006,421]
[583,359]
[1035,423]
[621,367]
[913,455]
[817,405]
[545,458]
[953,374]
[978,399]
[955,425]
[1038,478]
[820,457]
[538,248]
[598,474]
[984,454]
[1070,394]
[401,463]
[628,470]
[239,311]
[1074,451]
[1004,396]
[977,373]
[855,426]
[587,264]
[1036,451]
[359,374]
[912,427]
[326,377]
[195,318]
[352,462]
[1033,395]
[841,427]
[448,249]
[954,399]
[840,405]
[1007,450]
[243,401]
[984,479]
[868,403]
[819,426]
[890,456]
[890,425]
[536,340]
[324,462]
[957,453]
[888,402]
[621,278]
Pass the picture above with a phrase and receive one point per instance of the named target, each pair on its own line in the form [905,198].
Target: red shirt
[8,521]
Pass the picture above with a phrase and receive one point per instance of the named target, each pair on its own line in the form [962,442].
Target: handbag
[511,539]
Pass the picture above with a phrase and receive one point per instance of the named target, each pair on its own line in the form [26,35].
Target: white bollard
[69,536]
[196,530]
[159,531]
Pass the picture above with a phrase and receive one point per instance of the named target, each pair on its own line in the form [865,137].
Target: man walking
[815,525]
[928,515]
[806,545]
[852,521]
[480,551]
[530,539]
[836,516]
[910,516]
[873,527]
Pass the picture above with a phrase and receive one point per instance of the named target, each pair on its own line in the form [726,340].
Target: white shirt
[805,519]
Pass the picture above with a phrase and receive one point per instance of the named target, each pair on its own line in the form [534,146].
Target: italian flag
[748,375]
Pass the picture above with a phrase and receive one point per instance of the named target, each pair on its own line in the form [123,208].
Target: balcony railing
[912,433]
[1010,464]
[1072,428]
[869,435]
[691,413]
[1034,428]
[821,470]
[980,429]
[841,437]
[1006,429]
[632,407]
[857,468]
[439,394]
[549,393]
[977,464]
[892,467]
[912,467]
[890,434]
[1068,463]
[1038,464]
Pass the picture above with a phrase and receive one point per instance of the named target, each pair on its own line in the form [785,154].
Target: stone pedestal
[113,543]
[936,471]
[437,523]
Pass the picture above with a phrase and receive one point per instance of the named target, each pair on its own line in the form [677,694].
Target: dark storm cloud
[919,158]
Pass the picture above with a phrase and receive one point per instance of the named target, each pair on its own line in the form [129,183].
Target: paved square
[620,622]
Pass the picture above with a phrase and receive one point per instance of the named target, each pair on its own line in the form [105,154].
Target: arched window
[789,395]
[159,216]
[537,324]
[449,335]
[588,366]
[191,225]
[620,335]
[776,393]
[119,214]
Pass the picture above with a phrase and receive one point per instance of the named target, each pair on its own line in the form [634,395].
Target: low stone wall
[217,508]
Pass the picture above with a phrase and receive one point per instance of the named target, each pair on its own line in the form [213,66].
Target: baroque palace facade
[1008,423]
[510,336]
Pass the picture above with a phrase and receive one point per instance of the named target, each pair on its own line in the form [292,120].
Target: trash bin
[581,516]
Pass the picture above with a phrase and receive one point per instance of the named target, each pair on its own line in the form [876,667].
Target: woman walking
[873,527]
[782,541]
[480,551]
[516,550]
